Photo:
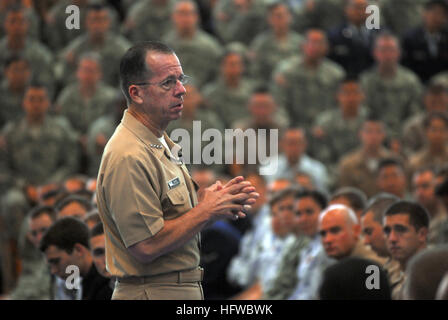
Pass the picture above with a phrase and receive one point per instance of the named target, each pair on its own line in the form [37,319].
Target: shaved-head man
[340,234]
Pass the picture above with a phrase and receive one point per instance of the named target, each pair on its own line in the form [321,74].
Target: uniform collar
[146,135]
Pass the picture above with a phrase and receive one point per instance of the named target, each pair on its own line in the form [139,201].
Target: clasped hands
[231,200]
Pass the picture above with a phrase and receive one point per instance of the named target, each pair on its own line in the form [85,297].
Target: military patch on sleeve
[173,183]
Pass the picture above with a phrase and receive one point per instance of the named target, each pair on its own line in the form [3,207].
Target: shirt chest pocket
[178,202]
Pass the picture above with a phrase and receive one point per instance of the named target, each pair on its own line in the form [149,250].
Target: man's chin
[176,114]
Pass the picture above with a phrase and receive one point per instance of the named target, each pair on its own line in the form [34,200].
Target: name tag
[173,183]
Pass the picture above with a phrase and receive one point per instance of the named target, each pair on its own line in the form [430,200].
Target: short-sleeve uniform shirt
[140,185]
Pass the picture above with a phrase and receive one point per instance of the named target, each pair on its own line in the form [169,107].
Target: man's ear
[422,234]
[134,93]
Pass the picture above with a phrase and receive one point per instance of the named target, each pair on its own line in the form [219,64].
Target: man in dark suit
[425,48]
[351,42]
[66,248]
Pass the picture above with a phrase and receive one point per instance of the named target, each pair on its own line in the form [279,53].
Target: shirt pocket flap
[178,196]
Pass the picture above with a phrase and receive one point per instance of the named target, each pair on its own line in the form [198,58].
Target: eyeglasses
[169,83]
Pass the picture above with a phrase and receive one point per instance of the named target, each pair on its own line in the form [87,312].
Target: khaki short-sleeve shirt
[140,185]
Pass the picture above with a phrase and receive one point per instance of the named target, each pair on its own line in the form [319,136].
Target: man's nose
[392,236]
[179,89]
[327,239]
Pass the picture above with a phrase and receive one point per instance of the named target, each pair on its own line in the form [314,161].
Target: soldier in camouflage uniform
[239,20]
[335,131]
[435,100]
[56,32]
[273,45]
[16,42]
[287,276]
[99,39]
[30,14]
[321,14]
[34,281]
[17,75]
[148,20]
[393,92]
[401,16]
[37,150]
[88,99]
[306,85]
[229,94]
[198,51]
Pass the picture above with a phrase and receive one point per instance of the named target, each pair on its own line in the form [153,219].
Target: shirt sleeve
[132,200]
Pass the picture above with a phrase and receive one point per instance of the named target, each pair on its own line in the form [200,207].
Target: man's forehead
[40,220]
[401,218]
[99,238]
[161,63]
[368,216]
[53,251]
[334,217]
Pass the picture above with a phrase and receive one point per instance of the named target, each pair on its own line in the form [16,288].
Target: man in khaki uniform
[405,225]
[359,167]
[146,197]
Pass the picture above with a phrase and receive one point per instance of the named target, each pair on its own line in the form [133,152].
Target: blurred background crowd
[362,116]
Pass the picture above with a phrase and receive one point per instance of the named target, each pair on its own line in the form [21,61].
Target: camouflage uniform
[409,17]
[441,78]
[150,21]
[267,52]
[39,155]
[393,100]
[81,113]
[56,32]
[39,57]
[34,281]
[230,104]
[11,104]
[208,120]
[325,15]
[306,93]
[341,136]
[111,51]
[33,22]
[356,170]
[232,24]
[200,55]
[436,224]
[34,156]
[105,126]
[286,279]
[414,137]
[424,158]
